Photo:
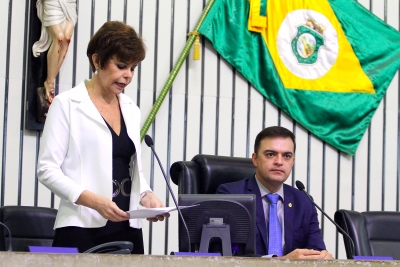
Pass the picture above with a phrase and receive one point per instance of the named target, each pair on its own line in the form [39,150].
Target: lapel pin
[290,205]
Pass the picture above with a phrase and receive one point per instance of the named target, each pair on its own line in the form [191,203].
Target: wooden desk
[21,259]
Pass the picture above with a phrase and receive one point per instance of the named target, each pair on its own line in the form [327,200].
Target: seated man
[288,226]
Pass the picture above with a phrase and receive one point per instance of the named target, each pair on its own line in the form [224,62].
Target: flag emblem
[307,44]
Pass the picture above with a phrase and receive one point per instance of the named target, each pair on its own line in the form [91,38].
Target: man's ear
[254,158]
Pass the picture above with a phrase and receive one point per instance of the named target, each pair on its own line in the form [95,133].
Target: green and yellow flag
[326,63]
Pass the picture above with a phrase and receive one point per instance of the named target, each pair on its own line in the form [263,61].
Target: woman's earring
[96,71]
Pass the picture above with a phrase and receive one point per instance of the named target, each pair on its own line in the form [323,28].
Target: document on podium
[152,212]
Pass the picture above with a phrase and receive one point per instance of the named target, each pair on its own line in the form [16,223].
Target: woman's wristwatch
[143,194]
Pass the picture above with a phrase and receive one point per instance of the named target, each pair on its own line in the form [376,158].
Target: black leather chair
[375,233]
[29,226]
[116,247]
[33,226]
[204,173]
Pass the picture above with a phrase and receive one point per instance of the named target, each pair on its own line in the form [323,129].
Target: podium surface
[22,259]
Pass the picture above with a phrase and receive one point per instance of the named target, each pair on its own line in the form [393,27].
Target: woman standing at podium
[90,153]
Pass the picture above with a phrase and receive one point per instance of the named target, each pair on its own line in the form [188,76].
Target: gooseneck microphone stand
[149,142]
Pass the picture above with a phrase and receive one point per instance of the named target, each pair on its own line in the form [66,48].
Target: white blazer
[76,155]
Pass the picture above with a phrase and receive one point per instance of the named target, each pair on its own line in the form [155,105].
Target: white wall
[367,181]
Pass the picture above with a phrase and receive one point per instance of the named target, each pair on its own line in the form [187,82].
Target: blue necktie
[275,232]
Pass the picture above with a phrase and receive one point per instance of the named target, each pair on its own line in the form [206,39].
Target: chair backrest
[375,233]
[29,226]
[204,173]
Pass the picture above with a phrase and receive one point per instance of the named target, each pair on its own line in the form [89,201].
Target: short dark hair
[117,39]
[273,131]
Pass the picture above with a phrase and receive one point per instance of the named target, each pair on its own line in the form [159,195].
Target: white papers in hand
[152,212]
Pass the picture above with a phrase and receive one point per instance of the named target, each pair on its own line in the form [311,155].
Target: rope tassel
[196,48]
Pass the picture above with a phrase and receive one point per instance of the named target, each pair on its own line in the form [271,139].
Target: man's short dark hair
[271,132]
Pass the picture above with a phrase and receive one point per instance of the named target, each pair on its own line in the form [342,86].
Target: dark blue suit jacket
[301,219]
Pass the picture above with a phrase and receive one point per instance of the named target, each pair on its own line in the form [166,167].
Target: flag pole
[174,72]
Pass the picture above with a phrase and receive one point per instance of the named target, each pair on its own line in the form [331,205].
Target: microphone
[149,142]
[9,234]
[301,187]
